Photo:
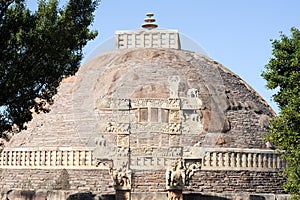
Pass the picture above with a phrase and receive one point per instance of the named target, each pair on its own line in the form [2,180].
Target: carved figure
[172,128]
[121,177]
[174,116]
[175,174]
[100,141]
[110,127]
[173,85]
[115,127]
[104,163]
[195,117]
[193,93]
[190,171]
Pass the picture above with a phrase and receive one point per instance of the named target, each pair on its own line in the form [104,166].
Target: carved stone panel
[174,140]
[123,140]
[175,175]
[121,177]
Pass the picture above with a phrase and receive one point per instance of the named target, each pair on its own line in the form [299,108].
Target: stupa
[147,121]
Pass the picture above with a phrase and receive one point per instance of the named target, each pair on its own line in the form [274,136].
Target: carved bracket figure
[180,173]
[175,175]
[121,178]
[191,168]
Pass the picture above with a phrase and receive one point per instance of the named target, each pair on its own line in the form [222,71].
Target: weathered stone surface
[229,105]
[141,110]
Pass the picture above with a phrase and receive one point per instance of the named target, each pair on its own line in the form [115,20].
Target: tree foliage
[37,50]
[283,74]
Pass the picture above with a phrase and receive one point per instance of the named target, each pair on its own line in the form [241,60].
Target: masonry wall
[97,181]
[237,181]
[218,181]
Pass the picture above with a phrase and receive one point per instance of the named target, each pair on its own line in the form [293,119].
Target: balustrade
[64,158]
[213,159]
[242,159]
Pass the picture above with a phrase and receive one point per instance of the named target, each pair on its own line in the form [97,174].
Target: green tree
[37,50]
[283,74]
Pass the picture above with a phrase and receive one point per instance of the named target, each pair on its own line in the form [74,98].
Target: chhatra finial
[149,22]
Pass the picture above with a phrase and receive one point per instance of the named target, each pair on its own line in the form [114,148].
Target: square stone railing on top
[147,39]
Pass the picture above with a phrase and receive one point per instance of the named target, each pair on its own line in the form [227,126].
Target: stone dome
[147,122]
[212,106]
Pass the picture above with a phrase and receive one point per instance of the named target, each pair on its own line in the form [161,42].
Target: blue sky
[235,33]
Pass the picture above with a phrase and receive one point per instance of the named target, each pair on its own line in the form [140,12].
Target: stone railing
[211,159]
[142,39]
[242,159]
[43,158]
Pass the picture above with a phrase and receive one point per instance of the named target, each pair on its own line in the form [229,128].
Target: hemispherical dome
[207,103]
[155,94]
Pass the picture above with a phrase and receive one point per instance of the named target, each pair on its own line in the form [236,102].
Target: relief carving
[100,141]
[192,93]
[113,127]
[121,178]
[175,175]
[103,103]
[157,152]
[179,173]
[104,163]
[123,140]
[192,122]
[174,103]
[144,102]
[174,116]
[173,86]
[124,104]
[191,168]
[172,128]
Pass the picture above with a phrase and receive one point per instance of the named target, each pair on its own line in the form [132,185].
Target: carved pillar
[123,195]
[175,180]
[175,195]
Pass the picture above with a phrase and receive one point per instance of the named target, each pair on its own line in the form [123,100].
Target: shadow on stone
[257,197]
[107,197]
[82,196]
[91,196]
[28,194]
[202,197]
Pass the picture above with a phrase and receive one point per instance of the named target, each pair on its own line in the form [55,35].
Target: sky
[235,33]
